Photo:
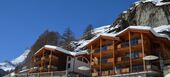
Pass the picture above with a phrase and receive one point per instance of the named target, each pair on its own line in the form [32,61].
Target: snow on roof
[94,38]
[25,70]
[135,27]
[162,28]
[96,31]
[147,28]
[62,50]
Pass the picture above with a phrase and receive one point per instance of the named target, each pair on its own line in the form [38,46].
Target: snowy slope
[7,66]
[10,65]
[96,32]
[21,58]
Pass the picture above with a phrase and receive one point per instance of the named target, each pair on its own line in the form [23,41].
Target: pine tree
[88,33]
[68,37]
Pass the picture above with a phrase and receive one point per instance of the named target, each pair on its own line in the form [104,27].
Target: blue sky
[22,21]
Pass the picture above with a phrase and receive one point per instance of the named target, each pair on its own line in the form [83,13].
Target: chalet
[52,58]
[137,51]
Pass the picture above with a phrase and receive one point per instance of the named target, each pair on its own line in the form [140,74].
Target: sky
[22,21]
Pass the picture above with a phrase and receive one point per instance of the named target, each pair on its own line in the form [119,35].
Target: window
[134,41]
[137,68]
[85,60]
[80,59]
[155,46]
[69,65]
[69,58]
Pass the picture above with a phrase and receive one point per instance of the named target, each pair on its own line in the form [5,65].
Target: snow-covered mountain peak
[21,58]
[10,65]
[156,2]
[7,66]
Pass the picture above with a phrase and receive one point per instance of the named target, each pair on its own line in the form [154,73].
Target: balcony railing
[43,74]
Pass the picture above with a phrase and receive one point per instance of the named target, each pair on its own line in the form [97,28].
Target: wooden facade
[124,53]
[48,60]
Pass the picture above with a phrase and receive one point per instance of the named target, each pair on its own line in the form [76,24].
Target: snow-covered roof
[162,28]
[61,50]
[153,30]
[97,31]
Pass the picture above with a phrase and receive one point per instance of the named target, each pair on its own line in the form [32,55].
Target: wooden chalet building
[52,58]
[122,54]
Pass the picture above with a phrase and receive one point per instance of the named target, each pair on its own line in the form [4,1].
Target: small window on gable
[69,58]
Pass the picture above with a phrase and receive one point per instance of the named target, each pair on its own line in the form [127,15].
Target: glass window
[68,65]
[69,58]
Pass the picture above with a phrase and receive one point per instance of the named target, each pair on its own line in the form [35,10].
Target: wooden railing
[43,74]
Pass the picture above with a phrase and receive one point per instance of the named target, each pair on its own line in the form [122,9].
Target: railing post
[52,74]
[38,74]
[66,73]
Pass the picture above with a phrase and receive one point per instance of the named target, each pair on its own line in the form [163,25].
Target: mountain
[7,66]
[2,72]
[11,65]
[21,58]
[152,13]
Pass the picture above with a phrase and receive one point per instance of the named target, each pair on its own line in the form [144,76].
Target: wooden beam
[42,61]
[143,52]
[50,60]
[100,56]
[130,51]
[114,56]
[91,49]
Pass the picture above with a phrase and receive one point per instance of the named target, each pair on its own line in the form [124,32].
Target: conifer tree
[68,37]
[88,33]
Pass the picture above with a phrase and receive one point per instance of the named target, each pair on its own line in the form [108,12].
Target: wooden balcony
[52,68]
[126,49]
[43,69]
[53,57]
[125,70]
[110,51]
